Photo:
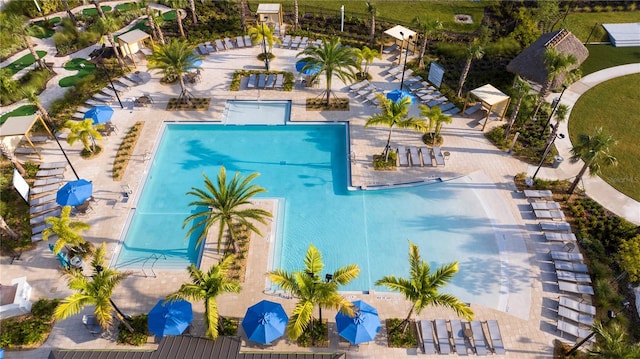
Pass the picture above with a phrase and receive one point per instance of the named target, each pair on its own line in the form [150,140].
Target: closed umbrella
[171,318]
[360,328]
[99,114]
[265,322]
[398,95]
[74,193]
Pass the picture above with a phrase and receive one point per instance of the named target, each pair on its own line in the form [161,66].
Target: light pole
[546,151]
[104,67]
[611,315]
[264,44]
[554,106]
[52,129]
[406,55]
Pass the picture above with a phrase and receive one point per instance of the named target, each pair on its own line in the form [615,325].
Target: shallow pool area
[305,167]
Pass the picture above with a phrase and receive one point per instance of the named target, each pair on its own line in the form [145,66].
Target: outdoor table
[76,262]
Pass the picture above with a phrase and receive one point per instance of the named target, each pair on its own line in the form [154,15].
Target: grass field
[402,11]
[20,111]
[74,65]
[24,61]
[581,24]
[614,105]
[92,11]
[605,56]
[45,32]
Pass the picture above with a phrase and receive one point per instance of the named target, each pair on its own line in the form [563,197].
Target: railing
[155,258]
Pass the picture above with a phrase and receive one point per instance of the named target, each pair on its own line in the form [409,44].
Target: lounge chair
[240,42]
[271,81]
[574,330]
[50,173]
[24,151]
[575,288]
[359,85]
[437,154]
[219,45]
[261,81]
[304,42]
[425,153]
[496,337]
[247,41]
[458,337]
[447,106]
[578,306]
[406,73]
[436,101]
[126,82]
[279,85]
[451,112]
[373,98]
[287,41]
[443,336]
[295,43]
[209,46]
[554,214]
[363,92]
[42,200]
[402,156]
[573,277]
[41,218]
[567,256]
[43,208]
[571,266]
[530,193]
[52,166]
[44,189]
[559,237]
[252,81]
[395,70]
[473,109]
[545,206]
[102,98]
[115,87]
[40,228]
[426,328]
[555,226]
[228,44]
[202,49]
[478,337]
[390,49]
[414,155]
[92,325]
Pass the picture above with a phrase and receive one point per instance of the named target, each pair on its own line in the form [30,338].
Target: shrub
[316,336]
[380,164]
[398,339]
[140,331]
[31,329]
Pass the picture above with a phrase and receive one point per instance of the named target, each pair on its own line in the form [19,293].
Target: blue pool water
[305,166]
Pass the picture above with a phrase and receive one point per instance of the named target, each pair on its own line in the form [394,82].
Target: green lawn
[92,11]
[45,32]
[74,65]
[128,6]
[581,24]
[169,15]
[24,61]
[20,111]
[403,11]
[614,105]
[605,56]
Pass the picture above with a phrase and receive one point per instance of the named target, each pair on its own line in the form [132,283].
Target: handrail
[155,257]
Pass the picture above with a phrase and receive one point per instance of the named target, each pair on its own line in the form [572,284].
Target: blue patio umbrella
[398,95]
[171,318]
[197,63]
[360,328]
[99,114]
[265,322]
[309,71]
[74,193]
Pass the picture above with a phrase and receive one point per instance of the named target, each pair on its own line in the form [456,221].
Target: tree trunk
[179,18]
[388,146]
[463,77]
[112,41]
[423,49]
[4,227]
[69,12]
[295,14]
[184,89]
[372,32]
[407,319]
[192,5]
[578,178]
[513,117]
[96,3]
[328,90]
[544,91]
[152,23]
[33,52]
[121,316]
[243,16]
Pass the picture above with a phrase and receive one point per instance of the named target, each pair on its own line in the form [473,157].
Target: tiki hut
[529,64]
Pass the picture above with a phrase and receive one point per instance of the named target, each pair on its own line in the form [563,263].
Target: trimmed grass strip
[92,11]
[20,111]
[25,61]
[74,65]
[605,56]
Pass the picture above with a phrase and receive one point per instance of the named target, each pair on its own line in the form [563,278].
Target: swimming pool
[306,166]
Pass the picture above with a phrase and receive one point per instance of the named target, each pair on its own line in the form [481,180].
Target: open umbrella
[74,193]
[171,318]
[197,63]
[360,328]
[398,95]
[99,114]
[265,322]
[309,71]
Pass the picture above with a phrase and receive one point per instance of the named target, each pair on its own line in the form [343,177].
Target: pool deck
[527,322]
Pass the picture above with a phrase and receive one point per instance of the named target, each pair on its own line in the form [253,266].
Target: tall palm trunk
[372,31]
[4,150]
[155,27]
[543,94]
[513,117]
[69,12]
[112,42]
[96,3]
[388,146]
[423,49]
[578,178]
[183,87]
[180,27]
[4,227]
[32,50]
[463,77]
[192,5]
[329,89]
[243,15]
[295,14]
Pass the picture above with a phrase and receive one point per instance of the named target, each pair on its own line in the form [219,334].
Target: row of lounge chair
[266,81]
[219,45]
[440,337]
[422,156]
[298,42]
[42,197]
[107,95]
[431,97]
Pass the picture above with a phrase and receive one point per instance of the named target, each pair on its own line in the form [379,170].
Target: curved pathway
[595,187]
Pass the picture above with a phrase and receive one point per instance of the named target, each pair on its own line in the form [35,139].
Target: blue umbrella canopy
[360,328]
[197,63]
[74,193]
[99,114]
[398,95]
[308,71]
[171,318]
[265,322]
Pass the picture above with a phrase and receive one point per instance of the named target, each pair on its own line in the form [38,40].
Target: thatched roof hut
[530,63]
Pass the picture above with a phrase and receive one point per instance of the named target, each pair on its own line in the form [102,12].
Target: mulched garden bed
[197,104]
[320,104]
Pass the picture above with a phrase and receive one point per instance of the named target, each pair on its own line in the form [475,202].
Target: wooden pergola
[491,99]
[17,128]
[131,42]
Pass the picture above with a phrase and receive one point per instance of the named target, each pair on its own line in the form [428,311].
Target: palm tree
[594,151]
[192,5]
[108,25]
[295,14]
[86,132]
[474,52]
[96,289]
[206,287]
[436,119]
[427,27]
[421,288]
[69,12]
[520,90]
[175,58]
[367,56]
[373,11]
[263,31]
[613,343]
[96,3]
[331,58]
[556,63]
[16,28]
[311,290]
[66,230]
[156,20]
[178,5]
[228,203]
[394,114]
